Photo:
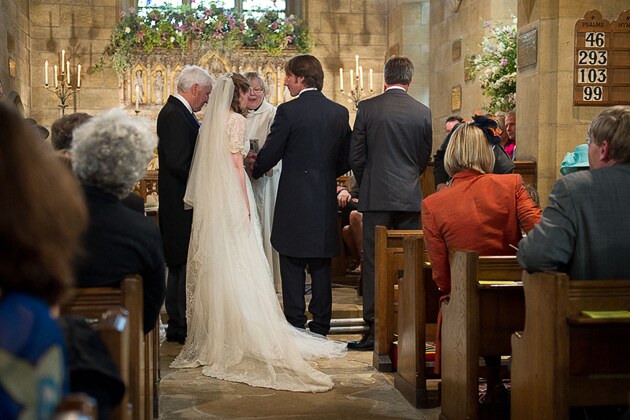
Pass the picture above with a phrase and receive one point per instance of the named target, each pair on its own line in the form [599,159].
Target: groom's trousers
[293,282]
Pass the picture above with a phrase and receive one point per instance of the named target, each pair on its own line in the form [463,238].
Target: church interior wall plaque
[456,98]
[527,48]
[456,50]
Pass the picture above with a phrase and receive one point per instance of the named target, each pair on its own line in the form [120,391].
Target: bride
[236,328]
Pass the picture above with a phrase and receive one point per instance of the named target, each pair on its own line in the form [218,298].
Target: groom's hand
[250,159]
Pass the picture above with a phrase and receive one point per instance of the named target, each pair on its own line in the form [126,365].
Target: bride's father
[177,129]
[311,136]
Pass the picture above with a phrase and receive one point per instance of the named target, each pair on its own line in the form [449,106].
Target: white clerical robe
[266,188]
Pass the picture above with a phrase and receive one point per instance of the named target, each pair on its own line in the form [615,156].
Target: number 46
[595,39]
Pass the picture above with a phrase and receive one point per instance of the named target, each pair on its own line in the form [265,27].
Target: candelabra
[63,87]
[356,92]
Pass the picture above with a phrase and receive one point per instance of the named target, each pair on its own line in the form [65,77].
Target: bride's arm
[237,161]
[236,137]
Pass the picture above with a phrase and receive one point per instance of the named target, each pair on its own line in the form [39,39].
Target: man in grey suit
[390,147]
[584,231]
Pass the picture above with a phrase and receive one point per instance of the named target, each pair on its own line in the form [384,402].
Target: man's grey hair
[253,75]
[613,125]
[398,70]
[111,151]
[191,75]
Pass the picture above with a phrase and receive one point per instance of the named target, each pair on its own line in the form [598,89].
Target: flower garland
[221,29]
[496,67]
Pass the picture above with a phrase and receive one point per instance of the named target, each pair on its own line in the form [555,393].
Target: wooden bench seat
[563,358]
[388,266]
[478,321]
[91,303]
[418,306]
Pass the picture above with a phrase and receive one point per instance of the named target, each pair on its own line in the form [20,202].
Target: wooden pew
[91,303]
[418,306]
[388,263]
[478,321]
[564,358]
[526,168]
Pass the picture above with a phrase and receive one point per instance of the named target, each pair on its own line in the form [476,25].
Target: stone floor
[360,391]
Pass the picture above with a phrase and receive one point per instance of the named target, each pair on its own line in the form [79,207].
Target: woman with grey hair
[109,155]
[260,116]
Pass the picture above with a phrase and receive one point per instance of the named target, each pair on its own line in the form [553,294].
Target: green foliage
[496,67]
[222,29]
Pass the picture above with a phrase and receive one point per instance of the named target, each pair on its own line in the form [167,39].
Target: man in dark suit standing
[177,129]
[390,148]
[311,136]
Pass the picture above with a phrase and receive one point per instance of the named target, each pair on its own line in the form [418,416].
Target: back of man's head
[63,127]
[308,67]
[191,75]
[398,71]
[613,126]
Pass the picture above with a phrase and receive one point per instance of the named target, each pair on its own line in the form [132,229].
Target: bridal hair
[468,149]
[111,151]
[63,127]
[306,66]
[191,75]
[43,214]
[241,85]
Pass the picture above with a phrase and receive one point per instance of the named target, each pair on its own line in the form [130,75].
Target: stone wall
[456,32]
[15,44]
[82,28]
[548,124]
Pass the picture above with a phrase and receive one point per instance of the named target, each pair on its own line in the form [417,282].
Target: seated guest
[584,231]
[61,141]
[43,216]
[510,129]
[109,155]
[502,162]
[479,211]
[351,220]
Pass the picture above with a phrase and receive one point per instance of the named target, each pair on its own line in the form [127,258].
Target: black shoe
[313,329]
[366,343]
[176,338]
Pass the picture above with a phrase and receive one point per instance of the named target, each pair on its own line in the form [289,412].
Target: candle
[341,79]
[371,82]
[361,77]
[46,72]
[56,74]
[63,59]
[68,65]
[79,75]
[356,66]
[137,98]
[351,80]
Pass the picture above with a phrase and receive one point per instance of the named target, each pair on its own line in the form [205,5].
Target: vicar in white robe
[259,120]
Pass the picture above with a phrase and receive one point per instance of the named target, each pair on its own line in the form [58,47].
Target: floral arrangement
[221,29]
[496,66]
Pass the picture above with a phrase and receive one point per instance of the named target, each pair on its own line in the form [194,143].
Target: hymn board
[601,74]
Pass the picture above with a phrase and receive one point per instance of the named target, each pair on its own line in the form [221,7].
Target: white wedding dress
[236,328]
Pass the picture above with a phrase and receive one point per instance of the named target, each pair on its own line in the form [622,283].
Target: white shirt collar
[184,101]
[395,87]
[306,90]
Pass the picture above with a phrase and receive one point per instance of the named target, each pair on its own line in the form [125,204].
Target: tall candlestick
[46,72]
[56,75]
[351,80]
[341,79]
[361,77]
[63,59]
[137,98]
[356,65]
[371,83]
[79,75]
[68,72]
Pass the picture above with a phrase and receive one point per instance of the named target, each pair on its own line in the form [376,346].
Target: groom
[177,128]
[311,136]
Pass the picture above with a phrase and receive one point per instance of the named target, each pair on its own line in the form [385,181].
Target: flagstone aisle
[360,391]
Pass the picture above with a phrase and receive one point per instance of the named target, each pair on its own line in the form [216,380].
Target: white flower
[172,39]
[127,29]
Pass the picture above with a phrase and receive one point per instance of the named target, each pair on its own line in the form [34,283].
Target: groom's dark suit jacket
[311,135]
[177,131]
